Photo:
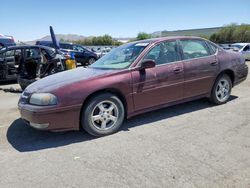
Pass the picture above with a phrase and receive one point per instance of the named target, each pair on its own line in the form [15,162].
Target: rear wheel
[102,115]
[221,90]
[91,60]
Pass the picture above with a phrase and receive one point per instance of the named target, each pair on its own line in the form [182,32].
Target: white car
[243,48]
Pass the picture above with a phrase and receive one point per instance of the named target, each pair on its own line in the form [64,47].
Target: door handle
[177,70]
[214,63]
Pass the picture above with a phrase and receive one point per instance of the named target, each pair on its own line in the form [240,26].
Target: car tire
[102,115]
[91,60]
[221,90]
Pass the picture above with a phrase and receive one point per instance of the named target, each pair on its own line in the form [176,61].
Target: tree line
[232,33]
[228,34]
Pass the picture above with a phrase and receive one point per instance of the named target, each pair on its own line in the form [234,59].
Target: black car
[82,54]
[28,63]
[6,41]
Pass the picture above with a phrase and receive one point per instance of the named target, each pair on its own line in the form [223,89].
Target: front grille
[24,99]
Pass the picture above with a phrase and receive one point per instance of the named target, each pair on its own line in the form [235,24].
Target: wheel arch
[113,91]
[230,73]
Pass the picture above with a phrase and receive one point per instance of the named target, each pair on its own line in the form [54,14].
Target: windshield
[237,46]
[121,57]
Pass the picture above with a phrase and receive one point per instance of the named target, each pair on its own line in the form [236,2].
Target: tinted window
[78,48]
[12,56]
[165,52]
[246,48]
[32,53]
[10,53]
[66,46]
[194,49]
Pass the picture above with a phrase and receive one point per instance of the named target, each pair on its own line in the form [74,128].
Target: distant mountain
[71,37]
[188,32]
[65,37]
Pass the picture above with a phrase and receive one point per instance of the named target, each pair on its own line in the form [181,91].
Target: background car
[6,41]
[82,55]
[243,48]
[133,78]
[28,63]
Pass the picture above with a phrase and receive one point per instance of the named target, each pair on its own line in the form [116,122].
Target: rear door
[200,67]
[163,83]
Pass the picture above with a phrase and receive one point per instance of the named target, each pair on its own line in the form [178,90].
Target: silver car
[243,48]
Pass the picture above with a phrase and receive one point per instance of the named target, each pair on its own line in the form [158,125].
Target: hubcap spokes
[104,115]
[91,61]
[222,90]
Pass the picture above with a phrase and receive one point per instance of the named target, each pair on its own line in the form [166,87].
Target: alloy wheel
[104,115]
[222,90]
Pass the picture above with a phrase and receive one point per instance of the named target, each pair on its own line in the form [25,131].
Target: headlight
[43,99]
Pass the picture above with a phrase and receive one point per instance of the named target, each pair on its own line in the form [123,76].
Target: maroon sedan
[134,78]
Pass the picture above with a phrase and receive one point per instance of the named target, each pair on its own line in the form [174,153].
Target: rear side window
[212,47]
[194,49]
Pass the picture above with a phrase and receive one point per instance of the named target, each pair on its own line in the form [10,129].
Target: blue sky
[30,19]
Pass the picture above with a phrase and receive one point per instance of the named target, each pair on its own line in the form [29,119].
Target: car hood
[61,79]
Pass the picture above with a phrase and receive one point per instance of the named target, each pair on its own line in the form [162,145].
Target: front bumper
[52,118]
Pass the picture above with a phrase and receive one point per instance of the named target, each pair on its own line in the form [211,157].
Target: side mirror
[147,63]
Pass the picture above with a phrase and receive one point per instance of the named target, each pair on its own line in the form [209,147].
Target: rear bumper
[241,74]
[50,118]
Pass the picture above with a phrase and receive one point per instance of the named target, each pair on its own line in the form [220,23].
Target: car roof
[27,46]
[152,40]
[50,42]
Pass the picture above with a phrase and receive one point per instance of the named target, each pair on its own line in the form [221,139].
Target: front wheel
[102,115]
[221,90]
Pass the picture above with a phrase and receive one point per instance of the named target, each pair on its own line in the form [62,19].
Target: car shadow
[26,139]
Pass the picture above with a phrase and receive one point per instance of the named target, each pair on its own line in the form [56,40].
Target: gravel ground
[194,144]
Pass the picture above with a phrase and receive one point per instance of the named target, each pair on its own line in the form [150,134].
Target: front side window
[194,49]
[164,52]
[66,46]
[121,57]
[246,48]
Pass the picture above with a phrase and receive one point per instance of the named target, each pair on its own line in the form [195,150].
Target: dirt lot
[194,144]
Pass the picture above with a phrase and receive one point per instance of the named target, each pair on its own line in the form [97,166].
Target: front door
[163,83]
